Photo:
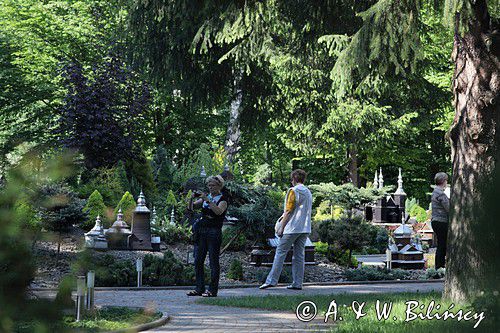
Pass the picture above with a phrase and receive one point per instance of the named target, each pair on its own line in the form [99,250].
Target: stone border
[255,285]
[144,327]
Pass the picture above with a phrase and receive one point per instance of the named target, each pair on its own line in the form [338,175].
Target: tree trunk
[472,261]
[353,165]
[233,129]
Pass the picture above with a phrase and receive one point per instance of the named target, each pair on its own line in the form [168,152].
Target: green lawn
[107,319]
[395,323]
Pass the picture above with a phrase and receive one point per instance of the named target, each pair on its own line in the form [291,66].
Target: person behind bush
[294,229]
[208,235]
[440,211]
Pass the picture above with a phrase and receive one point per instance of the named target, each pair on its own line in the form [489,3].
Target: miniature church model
[405,251]
[119,236]
[390,209]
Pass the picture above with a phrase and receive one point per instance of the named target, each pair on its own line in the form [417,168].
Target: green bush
[127,205]
[110,272]
[95,207]
[433,273]
[375,274]
[238,244]
[326,212]
[235,270]
[172,234]
[409,204]
[277,197]
[321,248]
[419,213]
[60,208]
[107,181]
[345,234]
[340,257]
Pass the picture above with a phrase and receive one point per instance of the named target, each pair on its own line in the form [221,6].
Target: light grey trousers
[298,260]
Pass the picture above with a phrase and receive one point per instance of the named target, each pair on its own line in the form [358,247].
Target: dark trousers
[209,241]
[441,231]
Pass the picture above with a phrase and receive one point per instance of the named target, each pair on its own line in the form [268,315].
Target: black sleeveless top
[210,219]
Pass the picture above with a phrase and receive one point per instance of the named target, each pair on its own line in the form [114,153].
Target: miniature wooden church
[405,251]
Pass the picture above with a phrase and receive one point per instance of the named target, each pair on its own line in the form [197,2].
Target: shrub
[433,273]
[235,270]
[171,202]
[409,204]
[419,213]
[127,205]
[60,208]
[277,197]
[341,257]
[107,181]
[321,248]
[169,271]
[172,234]
[325,211]
[345,234]
[110,272]
[95,207]
[376,274]
[238,244]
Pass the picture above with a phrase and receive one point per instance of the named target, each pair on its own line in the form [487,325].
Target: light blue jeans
[298,260]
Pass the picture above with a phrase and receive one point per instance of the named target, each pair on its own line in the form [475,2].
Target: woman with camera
[208,234]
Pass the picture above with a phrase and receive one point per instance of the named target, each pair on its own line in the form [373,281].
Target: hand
[204,196]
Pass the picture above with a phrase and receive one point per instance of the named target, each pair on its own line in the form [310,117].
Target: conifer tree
[95,207]
[127,205]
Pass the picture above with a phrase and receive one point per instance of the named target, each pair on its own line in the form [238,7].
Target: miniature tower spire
[154,217]
[203,173]
[380,179]
[226,167]
[400,184]
[172,217]
[141,201]
[375,180]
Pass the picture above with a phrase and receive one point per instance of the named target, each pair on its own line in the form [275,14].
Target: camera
[197,194]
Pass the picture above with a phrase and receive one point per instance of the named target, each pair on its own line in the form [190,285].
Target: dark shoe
[194,293]
[265,286]
[293,288]
[208,294]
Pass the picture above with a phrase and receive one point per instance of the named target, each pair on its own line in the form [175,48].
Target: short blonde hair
[217,179]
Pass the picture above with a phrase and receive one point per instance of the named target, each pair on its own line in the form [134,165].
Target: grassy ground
[395,323]
[107,319]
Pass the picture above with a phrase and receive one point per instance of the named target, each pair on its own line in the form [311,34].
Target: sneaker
[293,288]
[265,286]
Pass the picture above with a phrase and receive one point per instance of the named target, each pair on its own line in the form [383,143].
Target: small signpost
[90,290]
[138,265]
[80,296]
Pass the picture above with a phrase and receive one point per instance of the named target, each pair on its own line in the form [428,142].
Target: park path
[189,316]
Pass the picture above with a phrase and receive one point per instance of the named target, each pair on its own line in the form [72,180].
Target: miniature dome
[119,226]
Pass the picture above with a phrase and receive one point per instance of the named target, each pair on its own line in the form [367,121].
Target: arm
[196,204]
[445,202]
[290,206]
[218,209]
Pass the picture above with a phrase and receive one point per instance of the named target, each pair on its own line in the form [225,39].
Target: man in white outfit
[294,230]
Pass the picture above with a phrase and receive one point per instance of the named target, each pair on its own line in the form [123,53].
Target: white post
[80,295]
[90,290]
[138,266]
[375,180]
[388,258]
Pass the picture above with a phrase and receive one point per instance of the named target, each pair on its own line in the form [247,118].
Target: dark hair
[298,175]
